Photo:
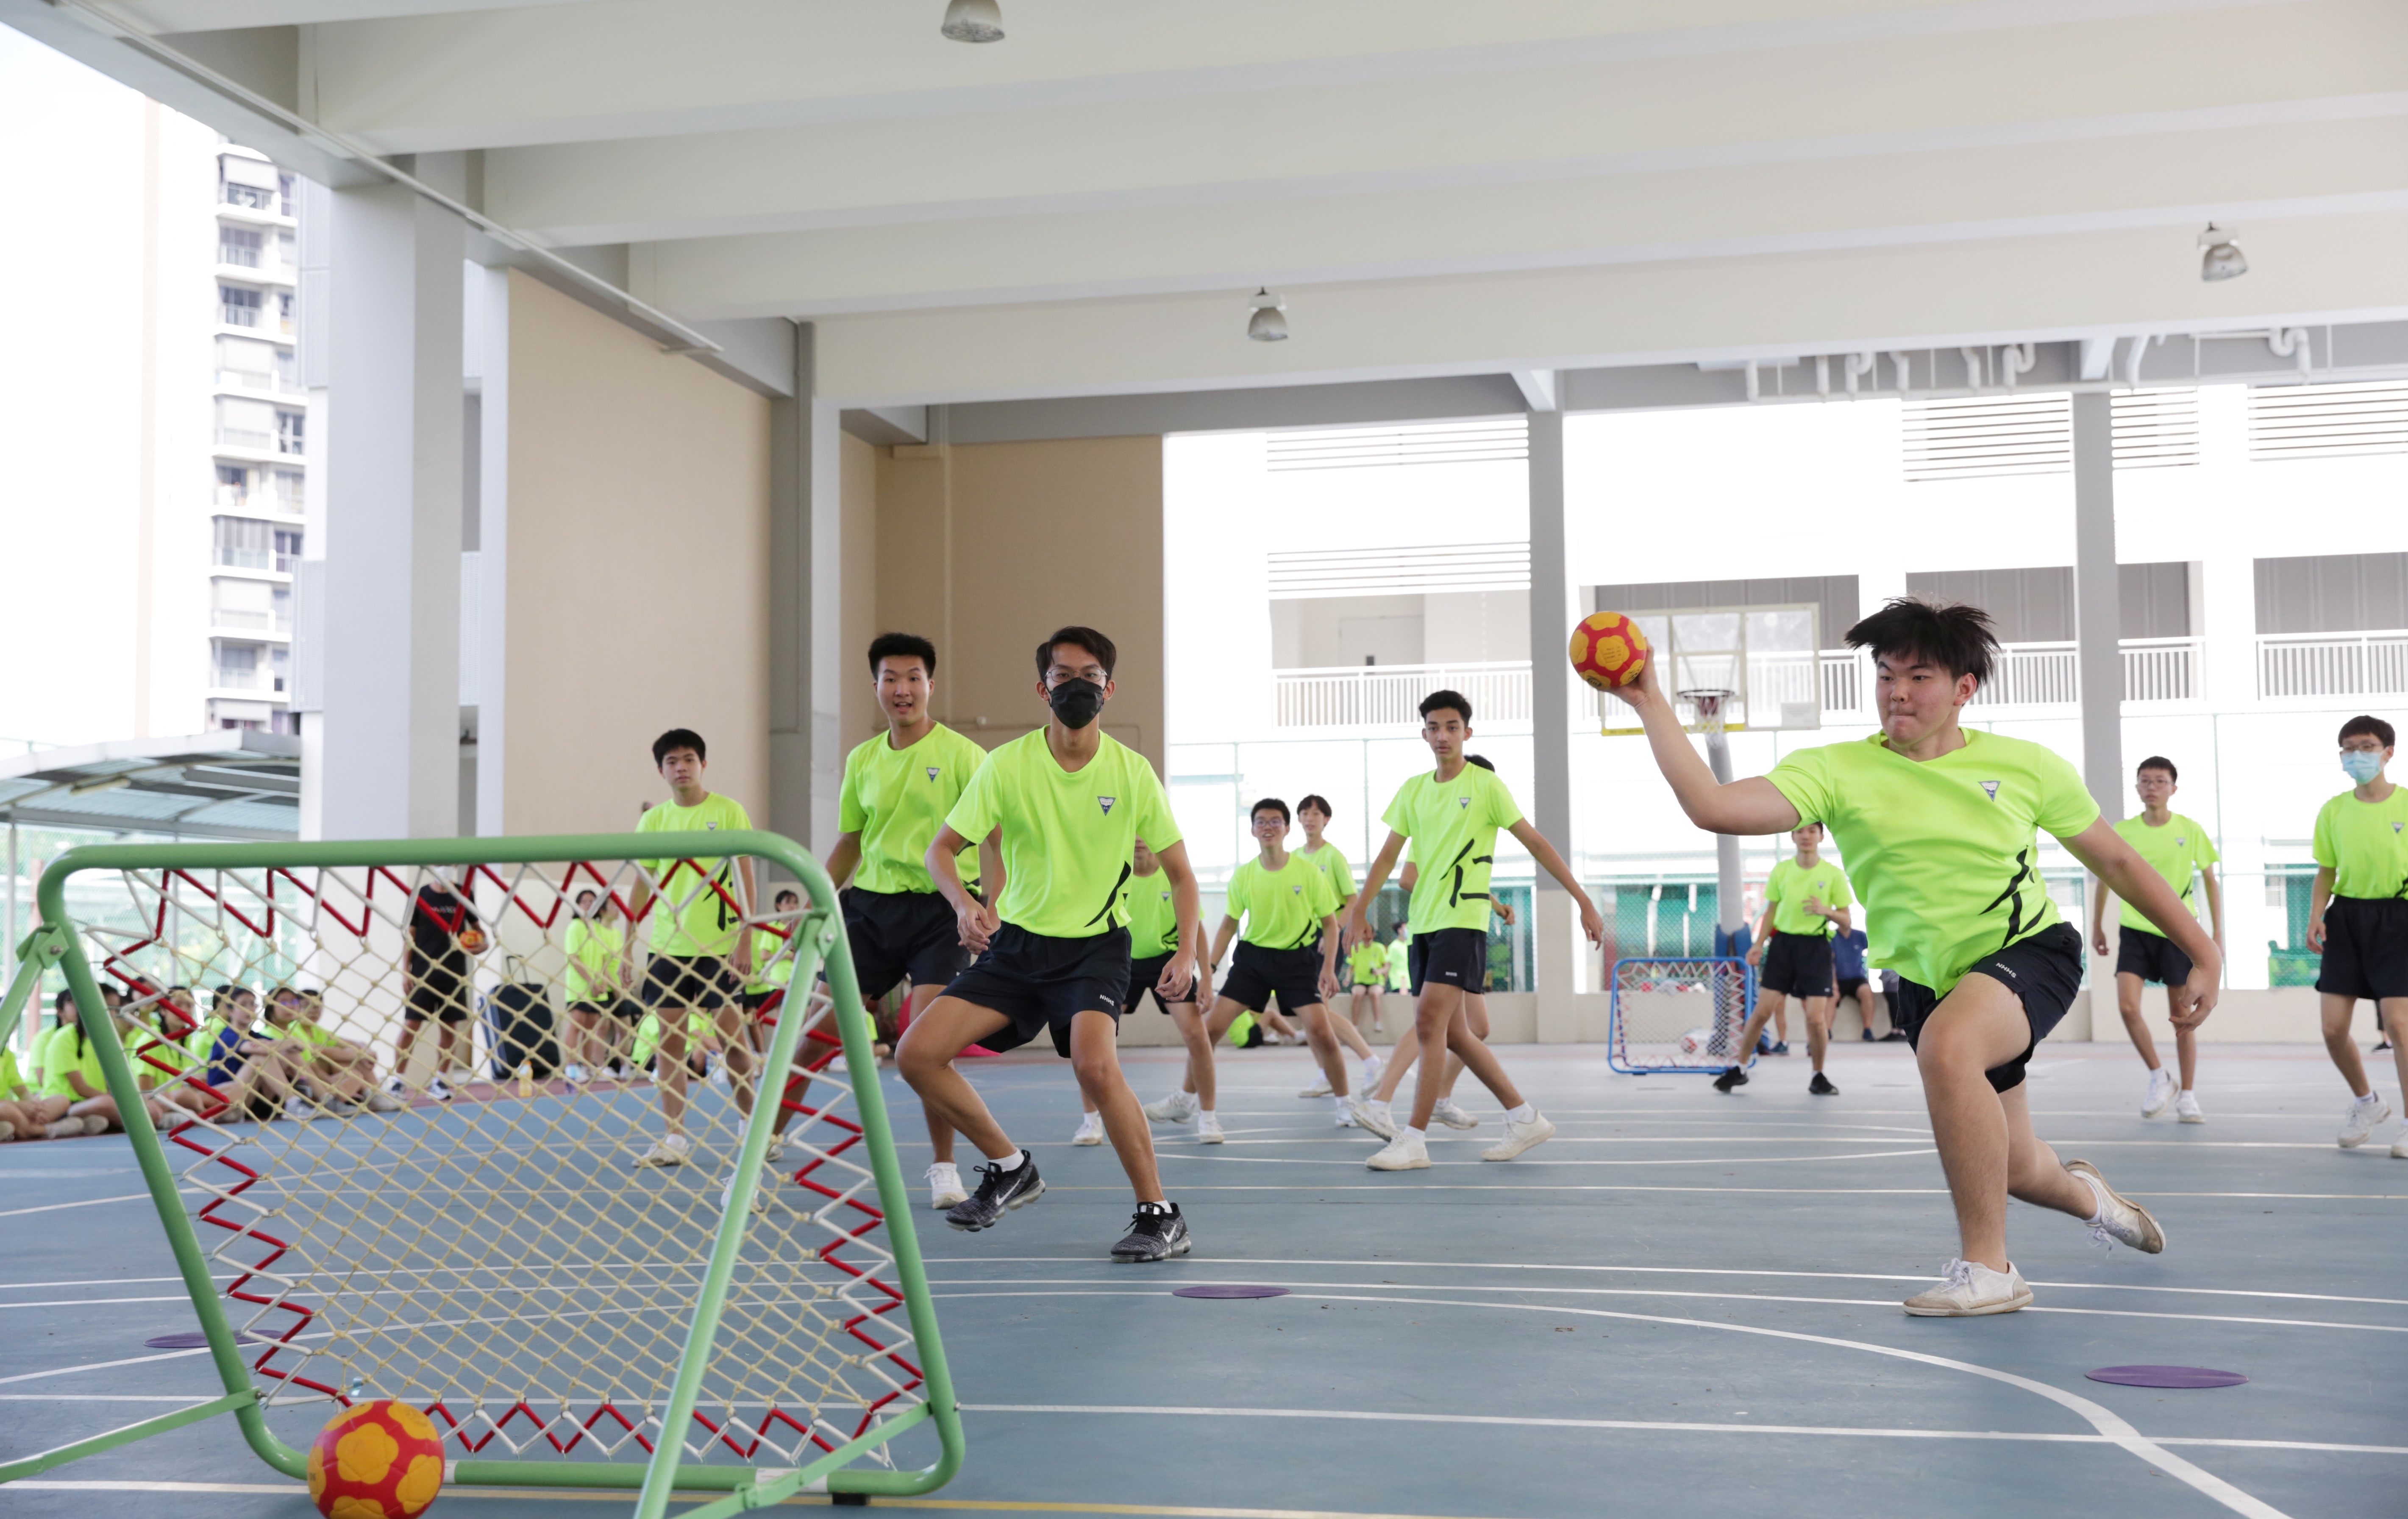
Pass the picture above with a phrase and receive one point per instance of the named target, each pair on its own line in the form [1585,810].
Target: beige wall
[987,549]
[639,580]
[858,612]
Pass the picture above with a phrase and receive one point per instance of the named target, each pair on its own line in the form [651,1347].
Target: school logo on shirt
[932,772]
[711,825]
[1106,803]
[2180,842]
[1990,789]
[2395,827]
[1463,801]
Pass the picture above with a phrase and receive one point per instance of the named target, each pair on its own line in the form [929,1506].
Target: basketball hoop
[1706,702]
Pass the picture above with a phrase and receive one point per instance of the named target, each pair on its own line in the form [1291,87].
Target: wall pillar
[806,764]
[388,657]
[2098,614]
[1558,951]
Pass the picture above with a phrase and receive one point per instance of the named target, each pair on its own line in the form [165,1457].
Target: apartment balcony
[257,503]
[259,381]
[246,437]
[2313,664]
[251,683]
[228,622]
[2029,677]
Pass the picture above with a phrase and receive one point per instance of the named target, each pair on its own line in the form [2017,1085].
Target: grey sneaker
[1374,1117]
[1521,1137]
[1178,1108]
[2121,1220]
[1156,1233]
[1970,1290]
[998,1191]
[1453,1116]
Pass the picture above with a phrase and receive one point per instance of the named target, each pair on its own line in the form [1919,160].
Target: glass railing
[239,316]
[244,437]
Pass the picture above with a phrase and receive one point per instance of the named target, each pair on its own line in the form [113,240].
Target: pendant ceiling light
[1267,326]
[2222,259]
[973,21]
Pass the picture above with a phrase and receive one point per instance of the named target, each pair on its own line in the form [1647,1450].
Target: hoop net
[1677,1014]
[500,1260]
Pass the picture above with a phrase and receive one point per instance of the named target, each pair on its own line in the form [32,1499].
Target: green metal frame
[819,938]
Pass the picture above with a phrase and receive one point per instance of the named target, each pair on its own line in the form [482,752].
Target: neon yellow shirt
[769,972]
[1153,915]
[62,1053]
[648,1034]
[690,917]
[1945,851]
[12,1082]
[594,953]
[2176,852]
[1453,825]
[1282,909]
[1367,964]
[1788,889]
[1401,965]
[1330,863]
[2365,844]
[1068,838]
[897,798]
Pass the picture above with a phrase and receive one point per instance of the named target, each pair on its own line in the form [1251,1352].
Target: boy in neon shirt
[599,1007]
[1806,899]
[700,951]
[1938,823]
[1153,938]
[2357,919]
[1313,815]
[1290,945]
[1452,815]
[1065,805]
[2176,848]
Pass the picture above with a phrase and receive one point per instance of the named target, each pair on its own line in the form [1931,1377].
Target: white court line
[1700,1160]
[82,1302]
[1407,1188]
[102,1365]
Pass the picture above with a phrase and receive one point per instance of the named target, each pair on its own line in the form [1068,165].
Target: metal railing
[1387,695]
[2332,664]
[258,379]
[237,316]
[244,437]
[236,253]
[2162,669]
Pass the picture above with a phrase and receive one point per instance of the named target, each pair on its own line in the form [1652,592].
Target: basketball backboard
[1768,658]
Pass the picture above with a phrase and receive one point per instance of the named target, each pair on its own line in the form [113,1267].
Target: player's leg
[1321,1033]
[1768,1003]
[671,1070]
[1448,1112]
[1781,1028]
[2366,1108]
[942,1031]
[1096,1061]
[736,1044]
[1820,1014]
[413,1024]
[1274,1018]
[1979,1024]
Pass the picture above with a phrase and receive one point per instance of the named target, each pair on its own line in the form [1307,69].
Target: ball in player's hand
[473,940]
[376,1460]
[1608,650]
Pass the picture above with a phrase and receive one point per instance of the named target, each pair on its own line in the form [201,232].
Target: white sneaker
[1207,1129]
[383,1102]
[573,1074]
[2121,1220]
[300,1109]
[777,1150]
[669,1150]
[2161,1093]
[1969,1290]
[1407,1152]
[945,1185]
[2356,1124]
[1452,1114]
[2400,1146]
[1521,1137]
[395,1085]
[1320,1088]
[1372,1066]
[1091,1129]
[1373,1116]
[439,1089]
[2187,1109]
[760,1195]
[1345,1114]
[1178,1108]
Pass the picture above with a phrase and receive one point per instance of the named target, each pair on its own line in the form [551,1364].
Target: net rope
[500,1260]
[1678,1013]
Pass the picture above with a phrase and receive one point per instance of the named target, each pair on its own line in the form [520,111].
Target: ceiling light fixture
[973,21]
[2222,259]
[1267,326]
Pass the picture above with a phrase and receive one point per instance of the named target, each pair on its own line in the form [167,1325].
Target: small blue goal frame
[1617,1035]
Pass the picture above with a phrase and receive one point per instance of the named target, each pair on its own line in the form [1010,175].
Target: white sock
[1375,1103]
[1420,1134]
[1522,1114]
[1012,1161]
[2097,1195]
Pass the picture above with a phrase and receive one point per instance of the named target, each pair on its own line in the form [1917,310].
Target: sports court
[1288,759]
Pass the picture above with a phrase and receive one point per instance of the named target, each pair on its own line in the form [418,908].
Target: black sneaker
[1734,1076]
[1868,1035]
[1781,1048]
[1821,1086]
[1156,1233]
[1893,1037]
[997,1190]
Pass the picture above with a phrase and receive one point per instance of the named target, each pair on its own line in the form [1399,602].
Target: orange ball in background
[379,1460]
[1608,650]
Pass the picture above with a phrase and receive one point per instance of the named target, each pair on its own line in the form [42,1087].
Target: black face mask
[1076,702]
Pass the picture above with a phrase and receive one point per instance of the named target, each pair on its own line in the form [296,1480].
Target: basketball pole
[1731,912]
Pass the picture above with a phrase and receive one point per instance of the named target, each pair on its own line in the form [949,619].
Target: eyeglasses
[2370,747]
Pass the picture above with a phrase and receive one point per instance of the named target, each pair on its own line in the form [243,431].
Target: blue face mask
[2362,765]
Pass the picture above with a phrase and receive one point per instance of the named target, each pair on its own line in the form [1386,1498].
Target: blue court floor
[1685,1303]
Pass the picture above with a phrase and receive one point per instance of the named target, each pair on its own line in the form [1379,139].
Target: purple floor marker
[1223,1290]
[2166,1376]
[194,1339]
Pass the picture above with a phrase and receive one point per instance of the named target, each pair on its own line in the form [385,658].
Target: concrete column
[389,669]
[1558,951]
[2098,616]
[490,362]
[806,762]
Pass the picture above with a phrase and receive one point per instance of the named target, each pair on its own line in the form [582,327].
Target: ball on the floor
[1608,650]
[376,1460]
[1696,1040]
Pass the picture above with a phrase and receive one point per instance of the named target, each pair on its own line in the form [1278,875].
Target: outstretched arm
[2116,864]
[975,919]
[1358,922]
[1179,975]
[1752,806]
[1592,922]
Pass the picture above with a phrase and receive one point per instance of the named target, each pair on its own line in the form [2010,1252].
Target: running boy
[1289,946]
[1451,816]
[2174,847]
[1939,822]
[1804,901]
[700,952]
[1313,815]
[2359,918]
[1153,938]
[1065,806]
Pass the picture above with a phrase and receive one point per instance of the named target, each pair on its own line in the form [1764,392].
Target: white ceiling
[1437,187]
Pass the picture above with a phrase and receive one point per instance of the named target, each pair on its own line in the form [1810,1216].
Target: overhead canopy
[234,783]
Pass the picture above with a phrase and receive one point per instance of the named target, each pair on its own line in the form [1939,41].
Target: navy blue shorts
[2043,971]
[1041,983]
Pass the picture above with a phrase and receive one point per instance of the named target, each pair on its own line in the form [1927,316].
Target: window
[244,604]
[249,197]
[2152,601]
[285,312]
[288,370]
[238,307]
[280,609]
[290,491]
[2027,606]
[289,426]
[1960,438]
[2327,422]
[2333,592]
[234,485]
[237,667]
[285,250]
[288,548]
[287,194]
[244,544]
[238,245]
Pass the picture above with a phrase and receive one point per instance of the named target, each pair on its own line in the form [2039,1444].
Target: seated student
[325,1064]
[599,1009]
[25,1113]
[1855,985]
[251,1074]
[71,1069]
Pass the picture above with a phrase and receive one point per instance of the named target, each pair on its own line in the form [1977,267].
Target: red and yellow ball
[1608,650]
[379,1460]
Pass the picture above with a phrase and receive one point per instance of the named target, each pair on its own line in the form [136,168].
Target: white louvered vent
[1423,443]
[2155,429]
[1968,436]
[1380,572]
[2327,422]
